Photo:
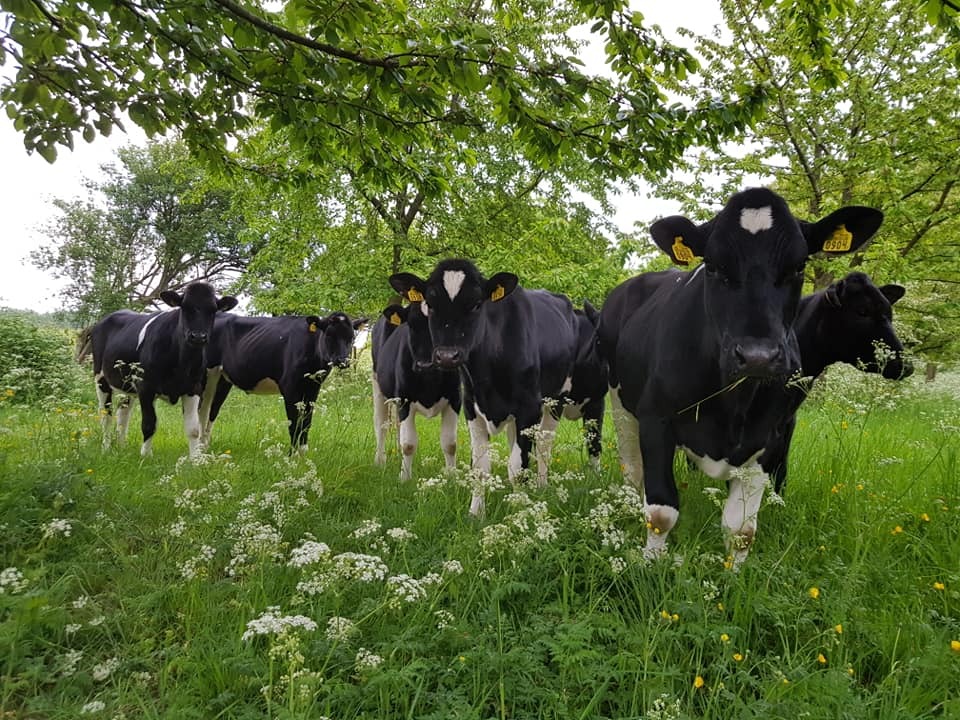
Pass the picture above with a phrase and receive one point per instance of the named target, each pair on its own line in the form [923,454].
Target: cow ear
[227,302]
[359,323]
[679,238]
[500,285]
[171,298]
[843,230]
[591,312]
[395,314]
[893,292]
[408,285]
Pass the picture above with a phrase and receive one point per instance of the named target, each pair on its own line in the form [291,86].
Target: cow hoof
[380,459]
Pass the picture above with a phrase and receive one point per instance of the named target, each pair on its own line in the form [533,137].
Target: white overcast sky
[28,182]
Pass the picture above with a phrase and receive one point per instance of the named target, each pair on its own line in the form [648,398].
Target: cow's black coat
[290,355]
[403,371]
[157,354]
[693,351]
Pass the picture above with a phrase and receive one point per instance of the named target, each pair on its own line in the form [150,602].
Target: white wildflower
[617,564]
[94,706]
[452,567]
[68,662]
[177,528]
[404,589]
[97,621]
[271,622]
[12,581]
[366,660]
[103,670]
[339,629]
[400,534]
[57,526]
[309,553]
[72,628]
[367,528]
[444,618]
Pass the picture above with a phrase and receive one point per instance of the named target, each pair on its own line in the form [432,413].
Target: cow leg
[191,423]
[448,436]
[747,484]
[480,460]
[105,403]
[148,422]
[124,408]
[628,443]
[300,415]
[544,446]
[662,502]
[206,405]
[524,427]
[380,422]
[774,460]
[219,397]
[408,439]
[593,430]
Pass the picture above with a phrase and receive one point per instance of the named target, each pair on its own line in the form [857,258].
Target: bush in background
[36,361]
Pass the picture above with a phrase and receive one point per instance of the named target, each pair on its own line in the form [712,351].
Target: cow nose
[897,369]
[759,359]
[197,337]
[447,357]
[422,365]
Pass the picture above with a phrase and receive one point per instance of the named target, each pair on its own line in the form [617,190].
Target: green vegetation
[252,584]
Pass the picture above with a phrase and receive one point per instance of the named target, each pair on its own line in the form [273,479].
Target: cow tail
[84,344]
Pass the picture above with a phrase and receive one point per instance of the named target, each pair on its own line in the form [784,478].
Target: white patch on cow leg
[408,444]
[595,463]
[380,421]
[124,408]
[191,423]
[544,446]
[302,450]
[453,282]
[628,441]
[567,385]
[480,461]
[747,484]
[514,461]
[753,220]
[660,521]
[448,436]
[146,450]
[206,405]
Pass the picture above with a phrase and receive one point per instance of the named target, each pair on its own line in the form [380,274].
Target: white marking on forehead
[753,220]
[453,281]
[143,330]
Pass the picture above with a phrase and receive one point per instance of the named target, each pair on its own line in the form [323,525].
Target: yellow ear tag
[313,327]
[395,319]
[681,252]
[497,294]
[840,241]
[414,295]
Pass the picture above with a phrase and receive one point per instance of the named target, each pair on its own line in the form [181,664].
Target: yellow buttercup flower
[924,517]
[955,645]
[838,628]
[724,637]
[737,657]
[897,530]
[814,592]
[698,682]
[939,586]
[821,659]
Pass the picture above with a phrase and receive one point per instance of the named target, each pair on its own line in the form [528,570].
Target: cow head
[198,305]
[754,252]
[453,299]
[858,321]
[334,336]
[418,338]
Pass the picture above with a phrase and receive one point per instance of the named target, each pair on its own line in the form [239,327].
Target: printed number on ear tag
[497,293]
[681,252]
[414,295]
[840,241]
[395,319]
[313,327]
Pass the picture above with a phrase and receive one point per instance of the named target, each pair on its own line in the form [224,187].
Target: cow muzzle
[197,338]
[422,365]
[897,368]
[760,360]
[448,358]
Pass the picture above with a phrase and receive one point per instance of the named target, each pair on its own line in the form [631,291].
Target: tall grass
[252,584]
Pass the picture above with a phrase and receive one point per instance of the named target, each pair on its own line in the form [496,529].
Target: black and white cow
[403,371]
[695,351]
[513,347]
[290,355]
[161,353]
[851,321]
[588,384]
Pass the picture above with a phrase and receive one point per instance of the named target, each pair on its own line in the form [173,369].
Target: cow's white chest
[492,428]
[429,411]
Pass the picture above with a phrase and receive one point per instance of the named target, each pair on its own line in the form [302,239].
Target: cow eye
[715,270]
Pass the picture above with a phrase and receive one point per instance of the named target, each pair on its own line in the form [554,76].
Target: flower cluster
[404,589]
[57,526]
[340,629]
[310,552]
[520,531]
[12,581]
[366,660]
[271,622]
[196,566]
[344,567]
[102,671]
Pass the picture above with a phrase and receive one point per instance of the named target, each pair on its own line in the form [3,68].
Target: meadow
[252,584]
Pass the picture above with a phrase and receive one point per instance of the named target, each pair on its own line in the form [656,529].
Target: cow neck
[807,328]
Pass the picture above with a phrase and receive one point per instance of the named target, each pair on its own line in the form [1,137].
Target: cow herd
[713,361]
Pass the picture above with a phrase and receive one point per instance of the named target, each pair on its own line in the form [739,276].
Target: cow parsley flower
[340,629]
[452,567]
[103,670]
[12,581]
[271,622]
[310,552]
[94,706]
[444,618]
[400,534]
[366,660]
[68,662]
[57,526]
[72,628]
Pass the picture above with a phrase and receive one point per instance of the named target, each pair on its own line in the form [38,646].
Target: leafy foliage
[156,222]
[35,361]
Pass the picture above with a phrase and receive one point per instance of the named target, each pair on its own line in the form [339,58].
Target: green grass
[554,615]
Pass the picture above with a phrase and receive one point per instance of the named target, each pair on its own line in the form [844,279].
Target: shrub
[36,361]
